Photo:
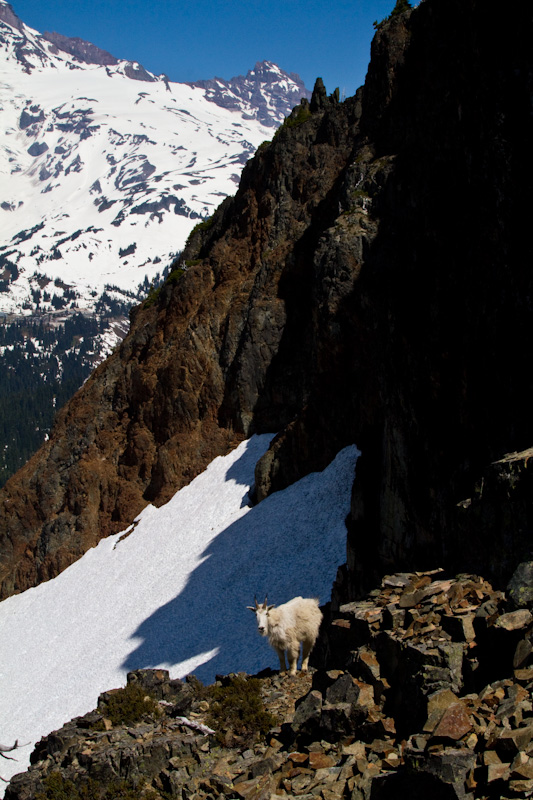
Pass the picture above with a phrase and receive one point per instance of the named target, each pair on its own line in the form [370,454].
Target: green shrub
[400,7]
[239,708]
[153,295]
[130,704]
[201,226]
[57,787]
[175,275]
[302,115]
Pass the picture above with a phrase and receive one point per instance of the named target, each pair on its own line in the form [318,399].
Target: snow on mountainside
[267,89]
[171,591]
[105,168]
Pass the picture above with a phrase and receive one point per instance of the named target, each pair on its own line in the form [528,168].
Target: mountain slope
[106,168]
[192,566]
[368,283]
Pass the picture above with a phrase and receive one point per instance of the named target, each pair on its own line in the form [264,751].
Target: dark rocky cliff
[370,282]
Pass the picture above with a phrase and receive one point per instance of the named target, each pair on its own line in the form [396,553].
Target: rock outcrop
[425,690]
[369,282]
[84,51]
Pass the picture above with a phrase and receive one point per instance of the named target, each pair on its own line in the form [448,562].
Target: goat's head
[261,613]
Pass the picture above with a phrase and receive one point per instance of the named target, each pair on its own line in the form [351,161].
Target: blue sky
[200,39]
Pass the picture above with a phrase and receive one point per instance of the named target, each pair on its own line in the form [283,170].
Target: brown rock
[460,627]
[523,771]
[320,761]
[356,749]
[332,791]
[524,675]
[365,697]
[393,760]
[508,743]
[523,786]
[299,759]
[496,772]
[454,724]
[524,648]
[514,620]
[441,700]
[490,757]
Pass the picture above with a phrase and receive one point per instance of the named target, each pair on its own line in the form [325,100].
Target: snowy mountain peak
[32,50]
[268,88]
[105,167]
[8,16]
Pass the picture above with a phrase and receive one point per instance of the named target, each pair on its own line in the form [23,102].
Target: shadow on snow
[289,544]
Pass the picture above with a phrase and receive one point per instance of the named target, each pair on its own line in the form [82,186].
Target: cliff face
[369,282]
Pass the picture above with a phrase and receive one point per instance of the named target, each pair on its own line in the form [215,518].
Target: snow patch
[172,593]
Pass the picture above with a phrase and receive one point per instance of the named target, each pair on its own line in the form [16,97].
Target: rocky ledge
[425,688]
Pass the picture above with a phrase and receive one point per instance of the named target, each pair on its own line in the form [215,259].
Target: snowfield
[171,591]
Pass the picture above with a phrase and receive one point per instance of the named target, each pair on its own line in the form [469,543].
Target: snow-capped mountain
[145,598]
[269,91]
[105,167]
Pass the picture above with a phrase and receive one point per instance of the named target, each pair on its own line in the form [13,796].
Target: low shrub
[130,704]
[57,787]
[238,709]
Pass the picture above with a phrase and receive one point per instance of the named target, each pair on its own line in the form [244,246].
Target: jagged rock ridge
[424,689]
[251,88]
[85,51]
[367,283]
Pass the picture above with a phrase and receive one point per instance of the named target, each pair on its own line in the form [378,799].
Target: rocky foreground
[425,691]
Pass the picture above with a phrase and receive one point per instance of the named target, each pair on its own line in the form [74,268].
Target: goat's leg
[307,646]
[281,656]
[293,651]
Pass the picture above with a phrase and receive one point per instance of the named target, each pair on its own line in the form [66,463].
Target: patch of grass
[153,295]
[201,226]
[301,116]
[296,118]
[238,708]
[57,787]
[175,275]
[130,704]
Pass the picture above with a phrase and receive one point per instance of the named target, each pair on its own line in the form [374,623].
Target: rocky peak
[8,15]
[266,86]
[80,49]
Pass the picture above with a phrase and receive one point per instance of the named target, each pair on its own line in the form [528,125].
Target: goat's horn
[255,601]
[266,601]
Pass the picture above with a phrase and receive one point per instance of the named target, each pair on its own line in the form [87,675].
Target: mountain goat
[289,625]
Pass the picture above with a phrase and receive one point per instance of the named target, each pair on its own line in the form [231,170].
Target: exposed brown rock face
[84,51]
[370,282]
[186,384]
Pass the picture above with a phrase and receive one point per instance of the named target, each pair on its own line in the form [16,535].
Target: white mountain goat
[289,625]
